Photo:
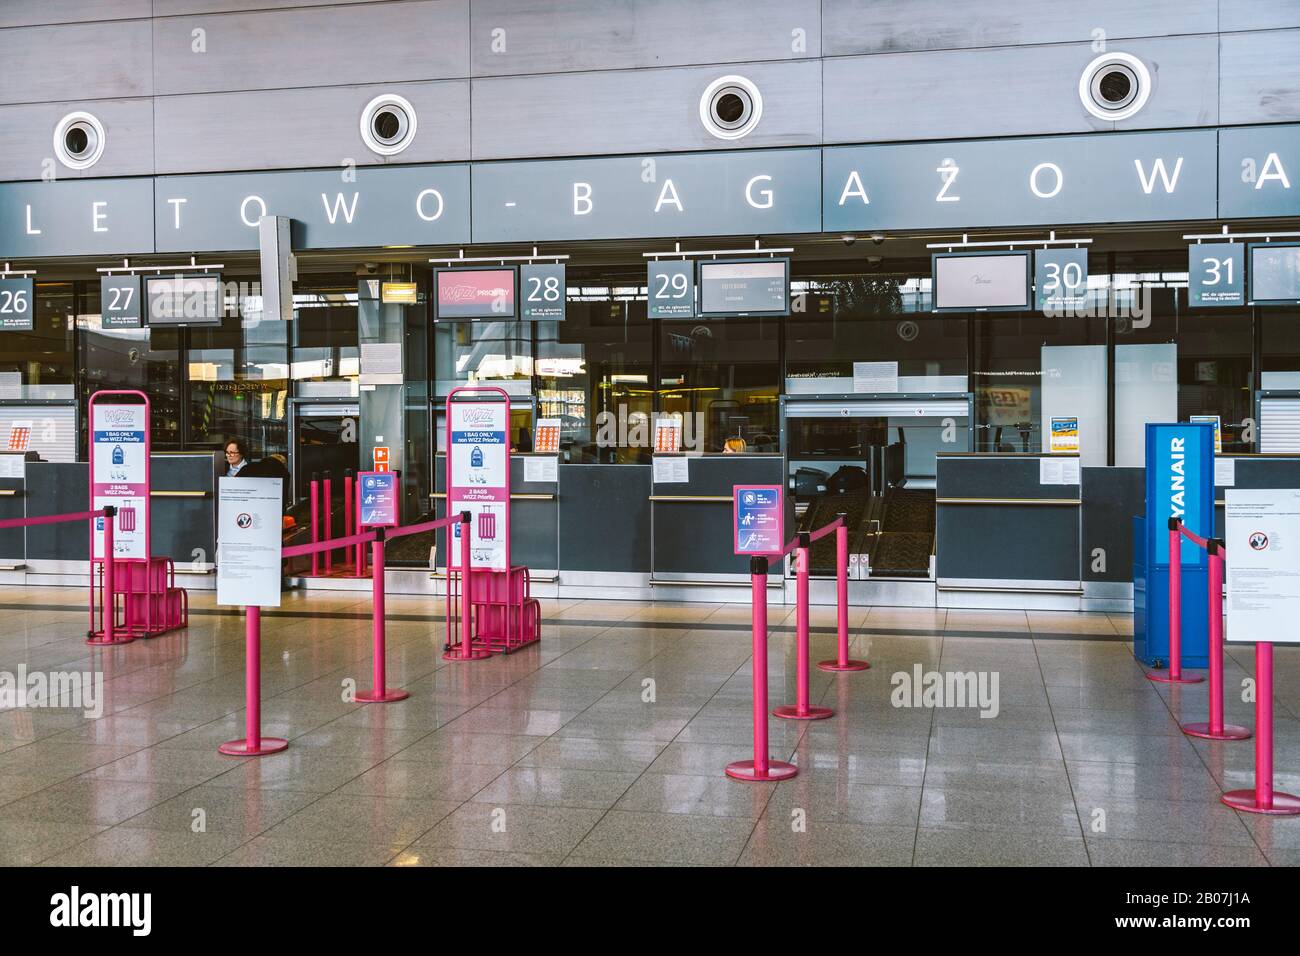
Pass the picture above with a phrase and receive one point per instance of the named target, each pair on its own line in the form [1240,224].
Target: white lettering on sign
[947,171]
[669,195]
[1033,180]
[98,215]
[243,211]
[853,187]
[1273,169]
[1177,478]
[1158,169]
[582,198]
[419,205]
[30,230]
[176,209]
[332,212]
[767,194]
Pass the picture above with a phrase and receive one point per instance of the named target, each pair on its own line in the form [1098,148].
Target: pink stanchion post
[802,709]
[762,767]
[315,524]
[347,510]
[379,693]
[1175,673]
[842,662]
[1215,728]
[253,744]
[108,606]
[466,651]
[327,510]
[1263,799]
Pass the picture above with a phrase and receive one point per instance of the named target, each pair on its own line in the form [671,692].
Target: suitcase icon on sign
[125,519]
[487,525]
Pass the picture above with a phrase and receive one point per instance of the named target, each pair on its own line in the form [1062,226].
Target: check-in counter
[182,511]
[1251,471]
[12,548]
[1007,523]
[534,513]
[691,517]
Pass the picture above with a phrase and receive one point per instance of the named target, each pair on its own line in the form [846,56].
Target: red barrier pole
[109,602]
[315,524]
[361,551]
[347,510]
[761,767]
[253,744]
[1215,729]
[1175,673]
[328,510]
[802,709]
[466,651]
[842,662]
[379,692]
[1263,799]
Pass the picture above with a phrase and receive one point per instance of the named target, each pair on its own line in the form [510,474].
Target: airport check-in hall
[563,338]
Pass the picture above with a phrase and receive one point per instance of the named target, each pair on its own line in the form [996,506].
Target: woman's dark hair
[239,444]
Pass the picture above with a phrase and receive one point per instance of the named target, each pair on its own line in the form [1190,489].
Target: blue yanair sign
[1112,177]
[1180,484]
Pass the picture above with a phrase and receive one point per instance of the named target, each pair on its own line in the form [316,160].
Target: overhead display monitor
[185,299]
[1275,273]
[981,281]
[744,287]
[475,293]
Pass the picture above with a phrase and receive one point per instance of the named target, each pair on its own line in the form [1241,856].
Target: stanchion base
[1229,731]
[846,666]
[791,712]
[240,748]
[387,697]
[474,655]
[776,770]
[1164,678]
[1284,805]
[92,642]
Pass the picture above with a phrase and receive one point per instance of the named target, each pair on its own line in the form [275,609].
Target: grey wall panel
[1112,497]
[1039,543]
[58,488]
[894,26]
[23,13]
[1008,91]
[28,142]
[84,61]
[284,129]
[1253,15]
[316,46]
[182,7]
[1254,85]
[542,36]
[637,110]
[995,476]
[605,518]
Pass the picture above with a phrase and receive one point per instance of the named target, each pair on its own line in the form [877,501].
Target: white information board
[479,480]
[1263,559]
[248,541]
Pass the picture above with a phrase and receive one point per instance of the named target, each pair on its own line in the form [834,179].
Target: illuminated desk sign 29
[981,281]
[185,299]
[1275,273]
[479,293]
[744,287]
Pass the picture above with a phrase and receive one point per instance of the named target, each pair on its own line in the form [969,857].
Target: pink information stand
[146,601]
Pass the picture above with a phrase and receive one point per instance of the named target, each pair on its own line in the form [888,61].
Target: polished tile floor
[606,745]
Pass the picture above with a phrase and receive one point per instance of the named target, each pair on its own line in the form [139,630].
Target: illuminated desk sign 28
[477,293]
[981,281]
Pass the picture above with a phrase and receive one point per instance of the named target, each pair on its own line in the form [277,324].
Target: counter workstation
[1038,531]
[182,508]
